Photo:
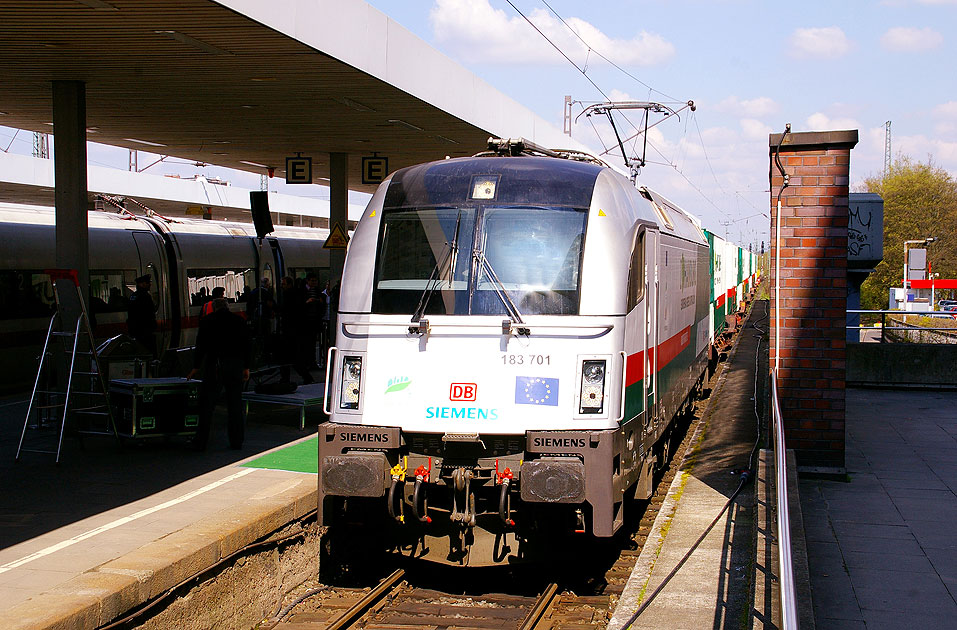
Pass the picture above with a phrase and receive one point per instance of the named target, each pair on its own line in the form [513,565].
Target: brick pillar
[813,292]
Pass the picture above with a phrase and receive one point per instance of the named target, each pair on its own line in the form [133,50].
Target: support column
[812,291]
[69,168]
[338,209]
[338,214]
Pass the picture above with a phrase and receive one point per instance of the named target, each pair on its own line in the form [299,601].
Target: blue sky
[750,66]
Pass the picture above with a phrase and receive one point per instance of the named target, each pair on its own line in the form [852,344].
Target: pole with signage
[298,169]
[374,169]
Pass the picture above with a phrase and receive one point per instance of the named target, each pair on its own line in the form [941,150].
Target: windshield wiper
[502,293]
[451,252]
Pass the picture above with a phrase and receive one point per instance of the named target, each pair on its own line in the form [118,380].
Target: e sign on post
[374,169]
[298,170]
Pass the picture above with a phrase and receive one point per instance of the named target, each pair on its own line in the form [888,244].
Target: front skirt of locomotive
[469,499]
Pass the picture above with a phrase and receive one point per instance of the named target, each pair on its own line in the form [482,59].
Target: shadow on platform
[96,474]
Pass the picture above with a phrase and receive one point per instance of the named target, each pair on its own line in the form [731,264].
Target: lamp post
[933,277]
[922,241]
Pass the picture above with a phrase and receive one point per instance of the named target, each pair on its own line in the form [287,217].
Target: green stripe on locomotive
[669,377]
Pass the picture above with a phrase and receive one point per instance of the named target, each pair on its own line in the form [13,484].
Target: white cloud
[755,129]
[920,147]
[946,110]
[754,107]
[911,39]
[479,33]
[822,122]
[827,42]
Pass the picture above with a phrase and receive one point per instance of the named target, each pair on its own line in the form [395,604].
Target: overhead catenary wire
[556,47]
[583,72]
[592,50]
[707,159]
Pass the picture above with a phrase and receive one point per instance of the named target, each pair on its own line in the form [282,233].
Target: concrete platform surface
[713,589]
[109,527]
[882,546]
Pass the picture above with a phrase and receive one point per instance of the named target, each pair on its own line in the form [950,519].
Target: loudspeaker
[259,206]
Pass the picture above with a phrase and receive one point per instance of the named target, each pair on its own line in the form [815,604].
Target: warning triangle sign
[337,238]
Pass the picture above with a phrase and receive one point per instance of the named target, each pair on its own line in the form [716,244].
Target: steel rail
[541,606]
[362,606]
[789,619]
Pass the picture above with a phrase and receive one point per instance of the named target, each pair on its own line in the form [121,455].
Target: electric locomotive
[516,334]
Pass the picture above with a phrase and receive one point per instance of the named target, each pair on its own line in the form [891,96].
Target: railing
[946,315]
[789,619]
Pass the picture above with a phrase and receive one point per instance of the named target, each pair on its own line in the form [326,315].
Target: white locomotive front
[490,385]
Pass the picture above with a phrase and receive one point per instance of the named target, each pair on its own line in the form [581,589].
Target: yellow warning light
[483,187]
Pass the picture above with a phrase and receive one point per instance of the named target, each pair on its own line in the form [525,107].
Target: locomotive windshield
[429,260]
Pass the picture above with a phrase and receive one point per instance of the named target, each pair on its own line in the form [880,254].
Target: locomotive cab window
[637,272]
[459,261]
[421,251]
[536,255]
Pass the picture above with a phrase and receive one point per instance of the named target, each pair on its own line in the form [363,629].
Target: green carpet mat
[301,457]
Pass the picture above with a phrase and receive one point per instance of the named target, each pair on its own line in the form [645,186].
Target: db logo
[462,391]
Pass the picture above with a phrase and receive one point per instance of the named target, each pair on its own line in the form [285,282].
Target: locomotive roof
[520,180]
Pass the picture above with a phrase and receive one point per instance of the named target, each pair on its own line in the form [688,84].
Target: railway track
[582,602]
[584,599]
[396,604]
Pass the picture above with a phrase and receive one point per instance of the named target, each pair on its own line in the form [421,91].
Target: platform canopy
[246,84]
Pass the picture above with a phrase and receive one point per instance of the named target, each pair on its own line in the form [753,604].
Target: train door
[271,270]
[652,242]
[151,262]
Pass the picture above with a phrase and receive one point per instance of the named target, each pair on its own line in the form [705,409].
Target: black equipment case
[155,407]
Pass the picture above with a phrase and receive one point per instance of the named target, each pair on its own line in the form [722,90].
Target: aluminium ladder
[69,384]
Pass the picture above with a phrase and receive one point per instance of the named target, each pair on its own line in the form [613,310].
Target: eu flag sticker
[535,390]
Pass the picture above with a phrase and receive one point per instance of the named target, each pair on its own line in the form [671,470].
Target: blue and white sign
[536,390]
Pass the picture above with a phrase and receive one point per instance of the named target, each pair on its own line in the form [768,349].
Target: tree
[919,200]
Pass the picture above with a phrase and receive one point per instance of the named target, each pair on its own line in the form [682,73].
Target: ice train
[516,333]
[187,258]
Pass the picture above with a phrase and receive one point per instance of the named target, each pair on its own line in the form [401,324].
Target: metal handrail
[789,618]
[884,314]
[883,327]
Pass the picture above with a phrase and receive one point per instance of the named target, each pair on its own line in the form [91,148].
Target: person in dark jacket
[315,309]
[294,339]
[141,314]
[222,355]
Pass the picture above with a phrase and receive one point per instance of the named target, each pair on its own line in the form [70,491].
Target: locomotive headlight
[593,387]
[593,372]
[351,378]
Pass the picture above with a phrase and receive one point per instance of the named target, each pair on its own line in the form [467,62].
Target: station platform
[877,550]
[111,527]
[882,545]
[713,588]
